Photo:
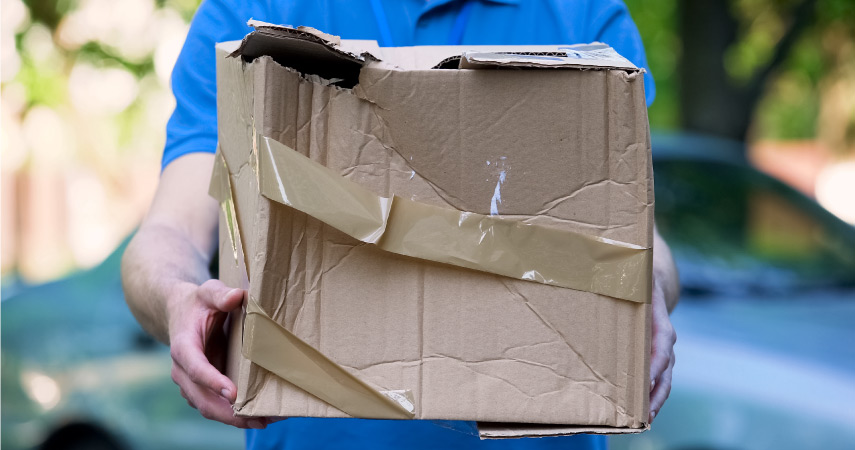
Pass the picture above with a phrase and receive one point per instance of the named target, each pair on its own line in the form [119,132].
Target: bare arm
[168,287]
[174,244]
[665,272]
[666,294]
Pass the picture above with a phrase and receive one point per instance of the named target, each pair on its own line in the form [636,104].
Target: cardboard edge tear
[493,430]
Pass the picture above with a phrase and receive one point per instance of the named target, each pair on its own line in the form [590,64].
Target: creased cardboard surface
[562,148]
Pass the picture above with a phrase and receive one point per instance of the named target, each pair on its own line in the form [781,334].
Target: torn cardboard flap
[590,56]
[305,49]
[263,26]
[563,149]
[322,48]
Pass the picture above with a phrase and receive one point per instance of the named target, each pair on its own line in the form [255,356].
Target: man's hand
[662,357]
[666,291]
[168,287]
[197,343]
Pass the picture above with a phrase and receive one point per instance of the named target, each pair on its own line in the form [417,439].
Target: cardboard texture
[563,145]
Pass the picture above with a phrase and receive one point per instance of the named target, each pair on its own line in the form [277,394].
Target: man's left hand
[662,352]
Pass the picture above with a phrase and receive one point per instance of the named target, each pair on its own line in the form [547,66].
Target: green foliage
[44,85]
[186,7]
[657,23]
[99,55]
[790,108]
[49,12]
[793,95]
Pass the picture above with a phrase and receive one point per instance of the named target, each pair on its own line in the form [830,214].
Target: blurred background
[756,95]
[85,100]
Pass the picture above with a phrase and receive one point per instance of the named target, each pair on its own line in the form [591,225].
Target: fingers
[662,354]
[210,405]
[662,351]
[188,355]
[662,389]
[219,296]
[196,320]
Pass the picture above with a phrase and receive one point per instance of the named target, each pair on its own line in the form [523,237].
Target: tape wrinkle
[537,220]
[221,189]
[403,397]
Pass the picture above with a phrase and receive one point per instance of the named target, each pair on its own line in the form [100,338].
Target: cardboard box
[542,138]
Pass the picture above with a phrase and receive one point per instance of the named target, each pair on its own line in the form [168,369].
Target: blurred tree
[85,102]
[718,96]
[753,69]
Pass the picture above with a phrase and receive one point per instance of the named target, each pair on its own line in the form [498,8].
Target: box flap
[311,51]
[584,56]
[307,51]
[493,430]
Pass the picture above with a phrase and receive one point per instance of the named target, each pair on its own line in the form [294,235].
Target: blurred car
[764,358]
[78,372]
[765,354]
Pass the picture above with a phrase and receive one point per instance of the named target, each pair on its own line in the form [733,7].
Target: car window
[732,228]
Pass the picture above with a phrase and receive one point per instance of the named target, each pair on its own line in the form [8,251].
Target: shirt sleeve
[193,124]
[611,23]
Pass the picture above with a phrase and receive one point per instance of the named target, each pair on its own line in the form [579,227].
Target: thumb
[218,296]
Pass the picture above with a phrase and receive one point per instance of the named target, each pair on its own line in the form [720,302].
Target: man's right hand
[168,287]
[197,345]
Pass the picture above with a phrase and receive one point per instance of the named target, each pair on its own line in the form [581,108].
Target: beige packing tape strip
[221,189]
[445,235]
[274,348]
[271,346]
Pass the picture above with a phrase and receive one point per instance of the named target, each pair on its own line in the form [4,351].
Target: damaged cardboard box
[441,233]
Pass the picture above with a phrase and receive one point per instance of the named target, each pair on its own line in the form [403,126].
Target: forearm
[159,262]
[172,250]
[666,294]
[665,271]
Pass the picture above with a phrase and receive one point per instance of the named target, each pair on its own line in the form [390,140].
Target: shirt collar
[433,4]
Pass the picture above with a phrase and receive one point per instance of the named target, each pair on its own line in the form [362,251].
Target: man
[165,269]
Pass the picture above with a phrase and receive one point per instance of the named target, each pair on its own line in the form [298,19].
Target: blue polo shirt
[193,128]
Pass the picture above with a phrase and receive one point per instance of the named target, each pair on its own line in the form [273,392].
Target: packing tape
[271,346]
[221,190]
[445,235]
